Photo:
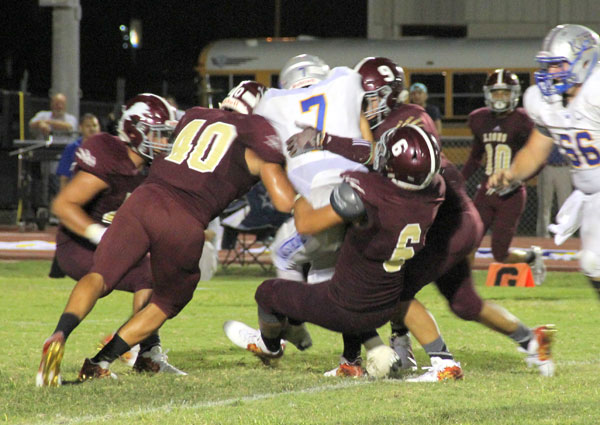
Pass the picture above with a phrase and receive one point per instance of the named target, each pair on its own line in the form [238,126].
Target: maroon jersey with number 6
[369,271]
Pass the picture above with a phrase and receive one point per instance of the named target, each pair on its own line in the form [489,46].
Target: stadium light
[135,33]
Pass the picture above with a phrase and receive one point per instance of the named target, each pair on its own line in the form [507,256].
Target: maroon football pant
[456,232]
[76,260]
[502,214]
[152,221]
[313,303]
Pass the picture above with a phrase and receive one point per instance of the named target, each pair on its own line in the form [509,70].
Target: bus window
[435,88]
[217,87]
[214,89]
[239,78]
[275,80]
[468,92]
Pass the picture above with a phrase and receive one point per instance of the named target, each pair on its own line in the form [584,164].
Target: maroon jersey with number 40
[206,168]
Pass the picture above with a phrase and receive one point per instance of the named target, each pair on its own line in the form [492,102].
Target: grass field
[227,385]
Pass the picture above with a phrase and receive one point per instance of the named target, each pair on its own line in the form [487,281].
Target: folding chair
[249,230]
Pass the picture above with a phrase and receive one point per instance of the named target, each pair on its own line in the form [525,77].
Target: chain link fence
[457,150]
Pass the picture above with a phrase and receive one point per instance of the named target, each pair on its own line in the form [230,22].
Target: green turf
[227,385]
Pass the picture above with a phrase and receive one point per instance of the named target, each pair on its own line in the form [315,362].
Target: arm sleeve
[256,133]
[357,150]
[346,202]
[472,163]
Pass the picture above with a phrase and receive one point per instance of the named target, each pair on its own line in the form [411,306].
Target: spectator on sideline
[88,127]
[554,179]
[56,120]
[418,95]
[43,124]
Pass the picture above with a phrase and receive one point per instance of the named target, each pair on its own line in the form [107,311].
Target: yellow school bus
[454,70]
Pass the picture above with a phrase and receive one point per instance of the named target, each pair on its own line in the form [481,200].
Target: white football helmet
[576,45]
[302,71]
[244,97]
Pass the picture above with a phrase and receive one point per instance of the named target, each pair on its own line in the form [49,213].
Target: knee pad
[263,295]
[466,303]
[589,262]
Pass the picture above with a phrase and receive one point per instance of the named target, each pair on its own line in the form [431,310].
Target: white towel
[568,219]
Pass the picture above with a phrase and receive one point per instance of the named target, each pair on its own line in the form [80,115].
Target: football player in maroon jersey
[391,210]
[457,230]
[500,130]
[108,169]
[215,156]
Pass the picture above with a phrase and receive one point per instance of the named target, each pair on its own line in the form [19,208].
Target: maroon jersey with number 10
[500,137]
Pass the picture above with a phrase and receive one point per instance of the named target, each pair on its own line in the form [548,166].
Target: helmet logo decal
[138,108]
[582,42]
[399,147]
[387,73]
[86,157]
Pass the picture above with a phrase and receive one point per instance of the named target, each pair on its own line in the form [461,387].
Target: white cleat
[154,360]
[440,370]
[250,339]
[347,369]
[539,350]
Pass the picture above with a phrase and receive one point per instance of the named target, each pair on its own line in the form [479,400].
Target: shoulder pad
[346,202]
[532,102]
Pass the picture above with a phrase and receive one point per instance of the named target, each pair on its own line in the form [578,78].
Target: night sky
[174,32]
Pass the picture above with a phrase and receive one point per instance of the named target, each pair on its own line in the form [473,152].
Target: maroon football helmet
[382,81]
[244,97]
[409,156]
[502,79]
[147,119]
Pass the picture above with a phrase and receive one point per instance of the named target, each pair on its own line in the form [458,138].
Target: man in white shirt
[56,120]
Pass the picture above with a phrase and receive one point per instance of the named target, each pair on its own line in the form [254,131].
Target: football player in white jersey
[330,101]
[312,95]
[565,107]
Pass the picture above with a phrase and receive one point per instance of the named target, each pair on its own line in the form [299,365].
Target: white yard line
[346,383]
